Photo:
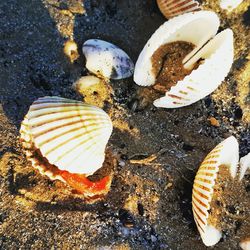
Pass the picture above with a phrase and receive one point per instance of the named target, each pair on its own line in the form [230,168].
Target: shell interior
[107,60]
[171,8]
[196,28]
[226,153]
[71,135]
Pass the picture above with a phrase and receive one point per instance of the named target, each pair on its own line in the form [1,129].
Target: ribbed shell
[107,60]
[71,135]
[172,8]
[196,28]
[226,153]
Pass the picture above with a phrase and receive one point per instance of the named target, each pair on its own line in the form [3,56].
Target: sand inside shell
[230,202]
[167,64]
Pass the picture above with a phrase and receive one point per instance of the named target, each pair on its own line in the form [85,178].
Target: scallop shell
[197,28]
[229,5]
[107,60]
[226,153]
[172,8]
[70,134]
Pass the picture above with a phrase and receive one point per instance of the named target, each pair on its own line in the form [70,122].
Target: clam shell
[245,244]
[171,8]
[197,28]
[107,60]
[226,153]
[71,135]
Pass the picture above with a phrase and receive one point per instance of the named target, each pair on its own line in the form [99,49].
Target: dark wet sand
[149,206]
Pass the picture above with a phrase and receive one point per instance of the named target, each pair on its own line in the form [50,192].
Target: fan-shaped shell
[196,28]
[107,60]
[71,135]
[171,8]
[226,153]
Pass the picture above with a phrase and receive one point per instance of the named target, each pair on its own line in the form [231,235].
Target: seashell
[227,154]
[94,90]
[85,82]
[71,50]
[245,244]
[244,165]
[196,28]
[107,60]
[64,138]
[172,8]
[229,5]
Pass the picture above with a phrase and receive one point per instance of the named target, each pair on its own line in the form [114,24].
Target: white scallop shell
[71,135]
[197,28]
[226,153]
[107,60]
[229,5]
[171,8]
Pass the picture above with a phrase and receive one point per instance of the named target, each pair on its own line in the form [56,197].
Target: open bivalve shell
[172,8]
[225,154]
[63,137]
[106,60]
[217,54]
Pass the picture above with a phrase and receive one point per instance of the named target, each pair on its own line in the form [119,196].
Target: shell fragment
[172,8]
[229,5]
[106,60]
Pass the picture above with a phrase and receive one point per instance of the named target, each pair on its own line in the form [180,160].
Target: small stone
[214,122]
[169,185]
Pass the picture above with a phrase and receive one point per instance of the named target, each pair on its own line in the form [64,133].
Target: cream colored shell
[197,28]
[227,154]
[171,8]
[71,135]
[229,5]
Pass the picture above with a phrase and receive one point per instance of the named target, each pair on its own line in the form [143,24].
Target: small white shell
[245,244]
[85,82]
[244,165]
[107,60]
[171,8]
[229,5]
[196,28]
[71,135]
[226,153]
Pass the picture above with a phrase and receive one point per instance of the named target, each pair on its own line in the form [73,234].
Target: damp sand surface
[149,204]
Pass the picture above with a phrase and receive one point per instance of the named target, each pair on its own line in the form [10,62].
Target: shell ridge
[225,153]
